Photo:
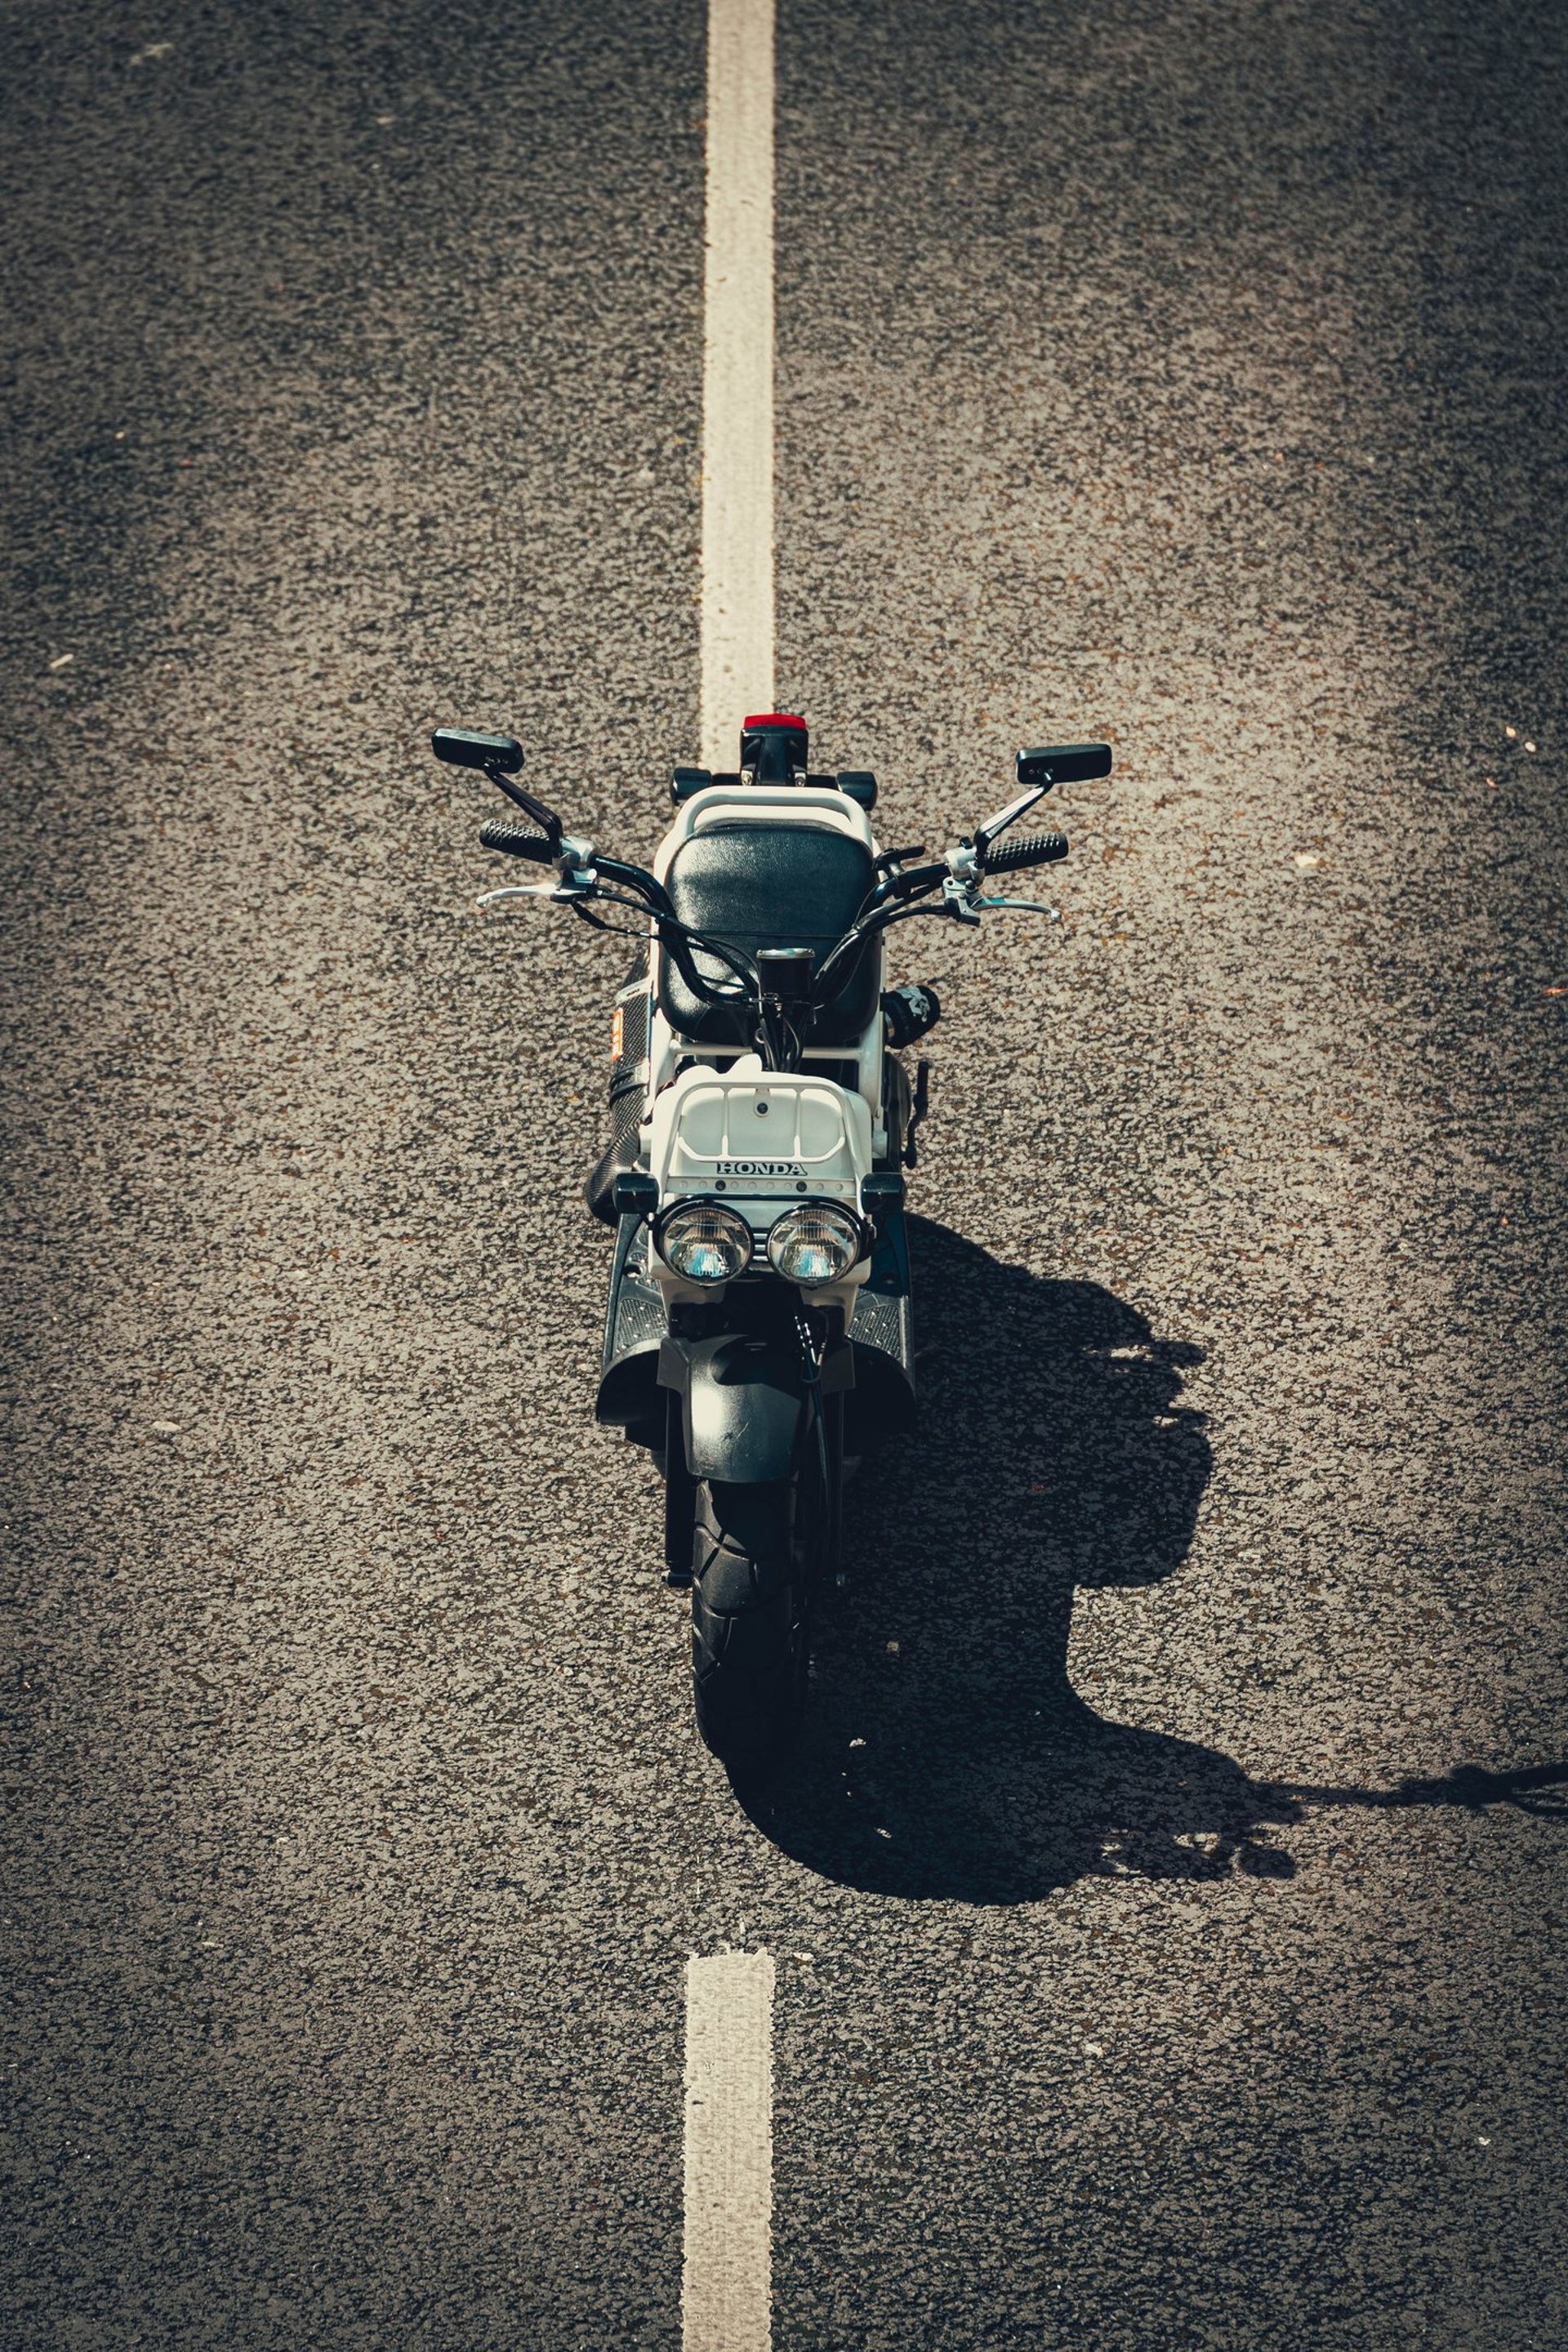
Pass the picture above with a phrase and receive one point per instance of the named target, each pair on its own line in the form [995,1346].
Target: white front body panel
[759,1140]
[762,1137]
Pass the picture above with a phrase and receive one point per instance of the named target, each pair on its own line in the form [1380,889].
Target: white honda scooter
[758,1333]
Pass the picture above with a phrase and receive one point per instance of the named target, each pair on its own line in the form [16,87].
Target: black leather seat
[769,886]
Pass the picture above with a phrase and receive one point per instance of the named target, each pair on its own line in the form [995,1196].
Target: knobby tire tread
[748,1629]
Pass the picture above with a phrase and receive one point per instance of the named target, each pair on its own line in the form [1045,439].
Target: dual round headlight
[813,1243]
[704,1242]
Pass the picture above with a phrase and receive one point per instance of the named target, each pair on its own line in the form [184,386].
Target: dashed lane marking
[726,2301]
[737,662]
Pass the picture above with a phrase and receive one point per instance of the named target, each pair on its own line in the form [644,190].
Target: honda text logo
[760,1168]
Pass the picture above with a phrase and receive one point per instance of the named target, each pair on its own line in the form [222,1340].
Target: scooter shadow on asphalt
[945,1754]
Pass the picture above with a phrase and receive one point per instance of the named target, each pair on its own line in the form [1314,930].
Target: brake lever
[962,902]
[574,881]
[522,890]
[1020,906]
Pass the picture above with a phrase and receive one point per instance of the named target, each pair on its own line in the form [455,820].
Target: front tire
[749,1595]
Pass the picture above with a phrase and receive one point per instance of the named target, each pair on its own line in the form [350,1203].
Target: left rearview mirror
[1064,763]
[464,749]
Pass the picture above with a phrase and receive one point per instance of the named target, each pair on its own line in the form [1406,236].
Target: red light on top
[772,718]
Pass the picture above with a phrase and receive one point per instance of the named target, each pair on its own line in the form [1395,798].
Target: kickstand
[922,1104]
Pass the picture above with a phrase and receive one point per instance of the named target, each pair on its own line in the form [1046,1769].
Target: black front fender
[743,1403]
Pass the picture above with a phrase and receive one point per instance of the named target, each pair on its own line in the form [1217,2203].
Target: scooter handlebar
[1005,856]
[517,840]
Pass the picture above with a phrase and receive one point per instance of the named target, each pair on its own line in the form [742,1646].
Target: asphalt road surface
[1168,1901]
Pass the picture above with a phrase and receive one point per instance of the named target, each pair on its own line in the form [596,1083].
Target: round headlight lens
[815,1244]
[704,1242]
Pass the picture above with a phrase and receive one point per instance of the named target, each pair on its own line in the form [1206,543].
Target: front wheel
[750,1610]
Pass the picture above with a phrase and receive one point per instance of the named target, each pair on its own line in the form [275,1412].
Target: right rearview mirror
[464,749]
[1064,763]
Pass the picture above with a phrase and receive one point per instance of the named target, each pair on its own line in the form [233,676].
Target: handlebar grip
[1028,849]
[517,840]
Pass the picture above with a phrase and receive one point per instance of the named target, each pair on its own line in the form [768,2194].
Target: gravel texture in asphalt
[1168,1896]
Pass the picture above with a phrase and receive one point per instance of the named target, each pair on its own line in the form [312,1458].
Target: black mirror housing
[460,747]
[1063,764]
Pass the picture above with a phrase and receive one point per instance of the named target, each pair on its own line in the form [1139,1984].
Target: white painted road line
[726,2295]
[738,377]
